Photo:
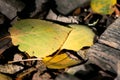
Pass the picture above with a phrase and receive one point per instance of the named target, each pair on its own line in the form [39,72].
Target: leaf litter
[35,69]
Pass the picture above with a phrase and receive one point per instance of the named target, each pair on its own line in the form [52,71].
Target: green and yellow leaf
[42,38]
[38,38]
[103,6]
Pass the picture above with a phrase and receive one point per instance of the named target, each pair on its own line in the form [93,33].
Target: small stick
[118,5]
[24,73]
[87,16]
[117,12]
[10,62]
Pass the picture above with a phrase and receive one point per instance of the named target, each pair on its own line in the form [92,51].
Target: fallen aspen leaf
[103,6]
[42,38]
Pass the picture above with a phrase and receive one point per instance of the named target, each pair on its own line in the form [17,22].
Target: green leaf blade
[38,38]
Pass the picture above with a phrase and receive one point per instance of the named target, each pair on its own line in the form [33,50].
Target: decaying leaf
[10,68]
[42,38]
[103,6]
[5,77]
[40,67]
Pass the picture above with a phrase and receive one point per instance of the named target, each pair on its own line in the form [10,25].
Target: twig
[117,12]
[24,73]
[118,5]
[87,16]
[24,60]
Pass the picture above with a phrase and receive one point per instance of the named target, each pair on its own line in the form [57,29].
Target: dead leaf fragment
[4,77]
